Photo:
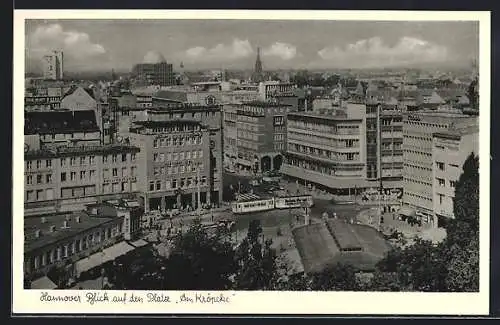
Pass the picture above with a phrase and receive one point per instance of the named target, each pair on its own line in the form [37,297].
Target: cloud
[53,37]
[238,49]
[283,51]
[374,52]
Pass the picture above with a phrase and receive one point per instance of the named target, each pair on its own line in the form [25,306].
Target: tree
[200,261]
[339,277]
[462,229]
[256,259]
[473,94]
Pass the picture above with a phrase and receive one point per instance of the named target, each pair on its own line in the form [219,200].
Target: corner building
[418,130]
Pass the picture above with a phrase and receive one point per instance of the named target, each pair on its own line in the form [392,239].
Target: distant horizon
[232,44]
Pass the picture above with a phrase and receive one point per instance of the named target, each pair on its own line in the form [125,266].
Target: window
[133,186]
[124,171]
[72,161]
[182,169]
[169,156]
[38,163]
[63,162]
[82,160]
[453,184]
[133,171]
[441,181]
[29,164]
[440,165]
[82,175]
[105,159]
[73,176]
[124,157]
[155,143]
[92,174]
[106,188]
[176,156]
[39,194]
[441,197]
[155,156]
[30,195]
[200,154]
[183,182]
[48,178]
[151,186]
[29,179]
[116,187]
[48,163]
[162,157]
[115,172]
[92,160]
[158,185]
[124,186]
[174,183]
[63,177]
[132,156]
[39,179]
[114,157]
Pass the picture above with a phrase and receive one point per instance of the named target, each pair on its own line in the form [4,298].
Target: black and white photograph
[263,155]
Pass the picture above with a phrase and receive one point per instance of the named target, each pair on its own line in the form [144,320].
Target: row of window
[70,249]
[189,182]
[169,170]
[83,176]
[325,140]
[119,187]
[177,141]
[124,172]
[161,157]
[333,129]
[321,153]
[418,196]
[442,182]
[40,179]
[82,160]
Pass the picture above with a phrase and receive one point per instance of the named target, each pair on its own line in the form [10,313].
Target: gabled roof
[322,245]
[90,92]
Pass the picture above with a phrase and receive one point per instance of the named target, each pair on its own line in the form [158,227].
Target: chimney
[65,224]
[77,219]
[52,228]
[38,233]
[44,220]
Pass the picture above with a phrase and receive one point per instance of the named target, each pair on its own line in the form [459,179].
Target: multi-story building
[418,130]
[53,65]
[58,241]
[155,72]
[328,148]
[256,135]
[43,98]
[450,149]
[176,156]
[270,89]
[384,143]
[67,178]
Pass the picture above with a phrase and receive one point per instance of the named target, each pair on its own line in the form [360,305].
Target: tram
[248,203]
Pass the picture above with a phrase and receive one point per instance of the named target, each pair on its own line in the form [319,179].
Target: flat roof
[32,224]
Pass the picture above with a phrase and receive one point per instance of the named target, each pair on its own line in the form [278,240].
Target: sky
[91,45]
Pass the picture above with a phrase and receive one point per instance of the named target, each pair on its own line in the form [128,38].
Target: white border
[28,301]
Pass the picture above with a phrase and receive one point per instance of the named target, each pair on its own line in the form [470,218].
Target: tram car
[247,203]
[292,202]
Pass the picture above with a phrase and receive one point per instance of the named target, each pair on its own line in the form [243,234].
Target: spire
[258,62]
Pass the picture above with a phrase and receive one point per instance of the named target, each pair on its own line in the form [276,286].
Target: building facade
[60,240]
[160,73]
[450,149]
[66,179]
[43,98]
[418,130]
[255,135]
[53,65]
[176,160]
[328,148]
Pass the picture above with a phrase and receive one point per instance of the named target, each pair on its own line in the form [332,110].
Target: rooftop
[60,122]
[322,245]
[59,233]
[161,124]
[79,151]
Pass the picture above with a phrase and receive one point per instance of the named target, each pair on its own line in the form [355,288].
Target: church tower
[257,73]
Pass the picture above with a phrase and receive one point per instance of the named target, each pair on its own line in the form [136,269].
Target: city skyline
[232,44]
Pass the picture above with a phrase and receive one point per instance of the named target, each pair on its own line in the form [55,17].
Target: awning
[407,211]
[139,243]
[43,283]
[117,250]
[108,254]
